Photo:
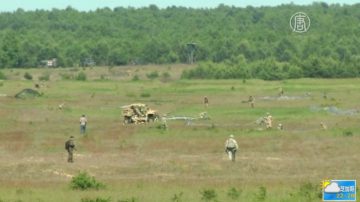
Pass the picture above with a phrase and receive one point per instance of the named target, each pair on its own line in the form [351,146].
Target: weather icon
[331,187]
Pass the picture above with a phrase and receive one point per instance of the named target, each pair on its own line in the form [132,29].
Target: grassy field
[185,162]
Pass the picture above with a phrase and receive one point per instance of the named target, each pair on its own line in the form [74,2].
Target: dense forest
[227,41]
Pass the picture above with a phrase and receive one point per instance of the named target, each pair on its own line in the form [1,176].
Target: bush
[28,76]
[165,75]
[208,195]
[81,76]
[130,94]
[66,76]
[177,197]
[132,199]
[45,77]
[103,77]
[152,75]
[348,133]
[74,69]
[310,192]
[261,195]
[2,76]
[135,78]
[145,95]
[98,199]
[233,193]
[84,181]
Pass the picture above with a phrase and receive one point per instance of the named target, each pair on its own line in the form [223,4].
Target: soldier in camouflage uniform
[251,101]
[231,147]
[70,147]
[206,101]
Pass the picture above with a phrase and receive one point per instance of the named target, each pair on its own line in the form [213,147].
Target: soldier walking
[231,147]
[83,122]
[70,147]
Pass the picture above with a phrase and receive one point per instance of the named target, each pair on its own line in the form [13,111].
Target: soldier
[281,92]
[231,147]
[70,147]
[251,101]
[206,101]
[61,106]
[268,121]
[83,122]
[323,126]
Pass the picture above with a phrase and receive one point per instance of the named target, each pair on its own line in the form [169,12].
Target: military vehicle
[138,113]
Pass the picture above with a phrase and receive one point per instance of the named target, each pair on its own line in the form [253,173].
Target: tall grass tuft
[233,193]
[208,195]
[81,76]
[84,181]
[97,199]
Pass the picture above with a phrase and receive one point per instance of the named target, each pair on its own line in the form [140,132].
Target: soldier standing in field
[231,147]
[83,123]
[206,101]
[251,101]
[281,92]
[268,121]
[70,147]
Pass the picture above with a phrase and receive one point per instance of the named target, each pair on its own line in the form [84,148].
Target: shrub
[84,181]
[177,197]
[74,69]
[130,94]
[165,75]
[132,199]
[66,76]
[81,76]
[145,95]
[208,195]
[45,77]
[28,76]
[233,193]
[135,78]
[261,195]
[310,192]
[152,75]
[98,199]
[2,76]
[348,133]
[103,77]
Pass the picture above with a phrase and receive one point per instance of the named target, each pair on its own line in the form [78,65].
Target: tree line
[229,42]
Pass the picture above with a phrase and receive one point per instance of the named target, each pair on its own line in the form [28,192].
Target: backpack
[67,145]
[231,143]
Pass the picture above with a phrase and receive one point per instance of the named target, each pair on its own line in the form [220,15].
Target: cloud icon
[333,187]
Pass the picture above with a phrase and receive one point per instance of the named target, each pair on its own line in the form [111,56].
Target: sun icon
[325,183]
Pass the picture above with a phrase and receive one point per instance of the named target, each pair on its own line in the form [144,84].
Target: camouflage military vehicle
[138,113]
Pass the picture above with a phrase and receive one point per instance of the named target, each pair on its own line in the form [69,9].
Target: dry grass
[143,161]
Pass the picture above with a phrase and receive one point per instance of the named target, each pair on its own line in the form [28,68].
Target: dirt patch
[16,141]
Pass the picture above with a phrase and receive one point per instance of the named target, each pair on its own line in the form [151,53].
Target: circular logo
[300,22]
